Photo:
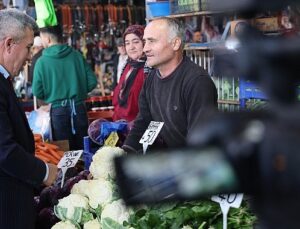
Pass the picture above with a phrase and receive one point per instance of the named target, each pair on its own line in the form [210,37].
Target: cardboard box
[269,24]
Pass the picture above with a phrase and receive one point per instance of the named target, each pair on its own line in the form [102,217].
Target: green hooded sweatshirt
[60,74]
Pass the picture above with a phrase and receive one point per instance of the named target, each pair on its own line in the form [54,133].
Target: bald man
[177,91]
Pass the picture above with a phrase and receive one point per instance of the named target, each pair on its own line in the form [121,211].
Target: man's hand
[53,171]
[45,107]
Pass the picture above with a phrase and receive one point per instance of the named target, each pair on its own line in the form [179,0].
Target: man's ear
[48,39]
[8,43]
[176,43]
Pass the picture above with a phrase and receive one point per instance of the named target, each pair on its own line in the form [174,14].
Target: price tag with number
[69,160]
[112,139]
[226,201]
[151,134]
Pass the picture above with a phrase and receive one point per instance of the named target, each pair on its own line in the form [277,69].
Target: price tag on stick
[69,160]
[151,134]
[226,201]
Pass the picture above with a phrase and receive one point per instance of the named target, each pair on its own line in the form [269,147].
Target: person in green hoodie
[63,79]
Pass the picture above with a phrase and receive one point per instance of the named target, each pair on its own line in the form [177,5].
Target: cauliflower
[115,211]
[73,207]
[99,192]
[93,224]
[80,187]
[102,165]
[64,225]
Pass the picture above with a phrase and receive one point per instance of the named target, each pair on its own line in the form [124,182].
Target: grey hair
[176,29]
[13,23]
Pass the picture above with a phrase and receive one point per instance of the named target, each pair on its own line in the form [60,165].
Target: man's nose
[146,48]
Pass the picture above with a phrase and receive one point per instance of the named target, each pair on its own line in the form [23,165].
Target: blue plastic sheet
[106,128]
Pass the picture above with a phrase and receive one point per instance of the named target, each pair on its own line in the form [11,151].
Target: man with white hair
[20,170]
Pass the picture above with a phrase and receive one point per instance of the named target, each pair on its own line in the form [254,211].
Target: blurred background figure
[23,82]
[198,37]
[36,52]
[210,32]
[63,78]
[119,61]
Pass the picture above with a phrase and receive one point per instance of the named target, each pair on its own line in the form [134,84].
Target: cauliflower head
[102,165]
[93,224]
[74,207]
[117,211]
[64,225]
[100,192]
[80,187]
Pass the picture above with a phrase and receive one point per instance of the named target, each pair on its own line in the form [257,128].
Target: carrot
[42,147]
[54,154]
[51,146]
[61,153]
[43,153]
[47,151]
[49,158]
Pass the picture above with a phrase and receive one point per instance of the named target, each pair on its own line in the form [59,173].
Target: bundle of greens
[196,214]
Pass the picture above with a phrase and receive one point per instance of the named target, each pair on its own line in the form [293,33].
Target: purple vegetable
[46,219]
[71,172]
[84,174]
[50,196]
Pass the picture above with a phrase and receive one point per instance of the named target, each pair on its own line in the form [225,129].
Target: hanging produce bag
[45,13]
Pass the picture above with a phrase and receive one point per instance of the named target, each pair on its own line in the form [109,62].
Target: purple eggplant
[46,219]
[50,196]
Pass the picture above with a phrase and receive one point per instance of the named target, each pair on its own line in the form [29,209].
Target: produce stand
[90,197]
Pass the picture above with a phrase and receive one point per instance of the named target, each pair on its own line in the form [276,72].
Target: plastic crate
[159,9]
[249,90]
[89,149]
[179,7]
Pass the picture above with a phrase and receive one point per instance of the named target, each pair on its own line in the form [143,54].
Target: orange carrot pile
[47,152]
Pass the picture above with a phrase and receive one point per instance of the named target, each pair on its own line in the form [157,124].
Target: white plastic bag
[39,122]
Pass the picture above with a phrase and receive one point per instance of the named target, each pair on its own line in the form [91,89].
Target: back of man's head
[55,32]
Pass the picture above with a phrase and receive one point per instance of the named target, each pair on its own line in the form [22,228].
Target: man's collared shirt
[4,72]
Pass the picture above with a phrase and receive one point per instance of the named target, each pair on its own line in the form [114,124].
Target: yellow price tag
[112,139]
